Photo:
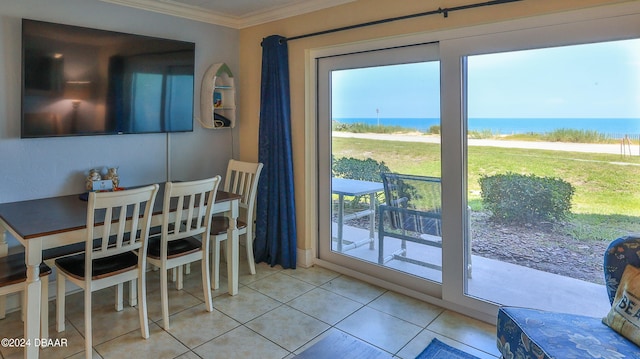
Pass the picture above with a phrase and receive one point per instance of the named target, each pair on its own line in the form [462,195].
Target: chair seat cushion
[13,270]
[177,248]
[220,225]
[531,333]
[102,267]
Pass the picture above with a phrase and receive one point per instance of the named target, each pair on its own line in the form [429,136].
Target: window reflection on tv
[81,81]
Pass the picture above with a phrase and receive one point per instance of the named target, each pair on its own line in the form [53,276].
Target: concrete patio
[492,280]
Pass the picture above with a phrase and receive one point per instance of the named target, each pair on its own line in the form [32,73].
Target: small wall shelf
[218,98]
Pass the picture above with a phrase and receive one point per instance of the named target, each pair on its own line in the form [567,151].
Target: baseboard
[305,258]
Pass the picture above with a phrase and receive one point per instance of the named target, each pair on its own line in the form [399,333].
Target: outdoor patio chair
[412,213]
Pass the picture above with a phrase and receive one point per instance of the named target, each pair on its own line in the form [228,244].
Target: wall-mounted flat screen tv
[82,81]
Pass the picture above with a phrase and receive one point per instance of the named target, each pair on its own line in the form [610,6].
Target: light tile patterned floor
[277,314]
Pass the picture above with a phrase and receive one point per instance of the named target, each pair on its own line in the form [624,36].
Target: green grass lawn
[607,195]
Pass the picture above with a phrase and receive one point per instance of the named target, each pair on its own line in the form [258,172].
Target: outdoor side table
[350,187]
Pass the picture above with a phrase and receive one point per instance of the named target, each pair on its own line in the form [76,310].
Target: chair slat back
[242,179]
[194,201]
[119,221]
[418,202]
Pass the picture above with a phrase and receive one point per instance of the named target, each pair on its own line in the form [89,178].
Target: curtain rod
[445,12]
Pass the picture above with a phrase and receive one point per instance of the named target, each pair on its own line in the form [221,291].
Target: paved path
[554,146]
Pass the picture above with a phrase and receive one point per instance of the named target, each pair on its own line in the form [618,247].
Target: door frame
[397,55]
[602,23]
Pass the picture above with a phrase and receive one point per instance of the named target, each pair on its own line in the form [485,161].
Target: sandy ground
[554,146]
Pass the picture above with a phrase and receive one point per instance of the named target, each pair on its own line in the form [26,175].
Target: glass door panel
[551,173]
[380,115]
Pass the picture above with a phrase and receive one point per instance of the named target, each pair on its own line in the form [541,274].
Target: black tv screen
[82,81]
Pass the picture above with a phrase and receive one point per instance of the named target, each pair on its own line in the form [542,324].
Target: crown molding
[286,11]
[173,8]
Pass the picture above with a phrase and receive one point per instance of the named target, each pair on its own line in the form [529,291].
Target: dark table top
[47,216]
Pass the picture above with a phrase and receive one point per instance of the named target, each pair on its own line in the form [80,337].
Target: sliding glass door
[380,115]
[551,135]
[548,105]
[538,162]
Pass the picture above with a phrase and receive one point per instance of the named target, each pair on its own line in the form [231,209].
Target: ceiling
[232,13]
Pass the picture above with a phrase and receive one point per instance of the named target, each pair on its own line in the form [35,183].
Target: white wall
[36,168]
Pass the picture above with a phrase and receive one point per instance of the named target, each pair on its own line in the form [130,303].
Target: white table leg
[233,250]
[33,292]
[340,220]
[372,218]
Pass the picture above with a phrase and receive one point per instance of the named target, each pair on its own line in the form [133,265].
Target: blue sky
[410,90]
[595,80]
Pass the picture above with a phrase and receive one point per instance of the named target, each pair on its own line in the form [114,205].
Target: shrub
[337,126]
[364,170]
[521,199]
[434,129]
[576,136]
[353,168]
[359,127]
[482,134]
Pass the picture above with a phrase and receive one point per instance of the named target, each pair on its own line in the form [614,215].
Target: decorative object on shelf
[94,175]
[102,186]
[218,98]
[221,121]
[112,174]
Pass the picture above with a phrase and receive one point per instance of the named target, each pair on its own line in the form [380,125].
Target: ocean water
[506,126]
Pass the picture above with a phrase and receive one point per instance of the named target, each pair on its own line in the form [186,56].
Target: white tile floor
[276,314]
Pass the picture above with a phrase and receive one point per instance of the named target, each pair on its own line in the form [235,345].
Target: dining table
[55,222]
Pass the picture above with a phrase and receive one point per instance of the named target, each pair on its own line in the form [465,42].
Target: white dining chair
[121,221]
[13,279]
[242,179]
[178,244]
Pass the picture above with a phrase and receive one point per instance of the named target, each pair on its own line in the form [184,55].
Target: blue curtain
[276,237]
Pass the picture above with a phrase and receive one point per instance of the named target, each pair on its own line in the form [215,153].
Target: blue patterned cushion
[537,334]
[622,251]
[624,316]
